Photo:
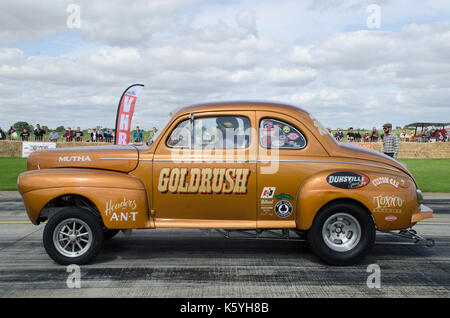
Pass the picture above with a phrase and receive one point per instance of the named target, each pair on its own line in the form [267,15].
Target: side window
[221,132]
[274,133]
[180,136]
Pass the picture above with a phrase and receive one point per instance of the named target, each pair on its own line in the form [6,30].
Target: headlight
[419,196]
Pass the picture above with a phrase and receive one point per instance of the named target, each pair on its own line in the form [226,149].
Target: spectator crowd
[107,135]
[427,135]
[69,135]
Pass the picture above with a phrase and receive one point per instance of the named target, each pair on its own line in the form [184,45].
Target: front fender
[120,199]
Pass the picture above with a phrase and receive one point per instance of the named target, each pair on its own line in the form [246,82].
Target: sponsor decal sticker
[267,211]
[283,208]
[203,180]
[293,136]
[283,196]
[388,204]
[348,180]
[268,192]
[121,211]
[391,218]
[268,124]
[286,129]
[385,180]
[277,143]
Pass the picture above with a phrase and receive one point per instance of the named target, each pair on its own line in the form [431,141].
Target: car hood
[113,157]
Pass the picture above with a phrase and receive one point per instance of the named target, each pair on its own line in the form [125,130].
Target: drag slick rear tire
[342,233]
[73,236]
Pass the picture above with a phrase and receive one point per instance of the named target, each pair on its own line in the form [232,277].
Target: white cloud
[310,55]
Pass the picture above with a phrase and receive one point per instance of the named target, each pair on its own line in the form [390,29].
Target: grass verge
[432,175]
[10,168]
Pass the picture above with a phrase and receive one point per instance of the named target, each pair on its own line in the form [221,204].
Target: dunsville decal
[348,180]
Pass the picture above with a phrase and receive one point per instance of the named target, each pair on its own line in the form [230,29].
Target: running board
[259,234]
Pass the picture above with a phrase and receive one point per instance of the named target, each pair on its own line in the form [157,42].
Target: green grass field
[10,168]
[432,175]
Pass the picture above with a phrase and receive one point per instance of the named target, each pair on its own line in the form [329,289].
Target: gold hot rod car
[237,166]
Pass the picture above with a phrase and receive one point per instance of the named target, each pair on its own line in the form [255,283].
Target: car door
[203,175]
[287,152]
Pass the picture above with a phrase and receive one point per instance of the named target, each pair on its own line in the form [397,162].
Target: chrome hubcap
[72,237]
[341,232]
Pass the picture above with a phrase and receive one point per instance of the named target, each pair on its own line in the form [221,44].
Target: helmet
[227,122]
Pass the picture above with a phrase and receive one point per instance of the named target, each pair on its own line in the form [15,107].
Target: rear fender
[316,192]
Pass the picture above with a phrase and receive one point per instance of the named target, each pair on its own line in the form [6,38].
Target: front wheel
[73,236]
[342,233]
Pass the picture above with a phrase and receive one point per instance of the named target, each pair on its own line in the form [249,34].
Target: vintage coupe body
[230,166]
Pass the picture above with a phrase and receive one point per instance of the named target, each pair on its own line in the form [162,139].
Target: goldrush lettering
[203,180]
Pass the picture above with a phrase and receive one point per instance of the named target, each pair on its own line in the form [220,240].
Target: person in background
[78,134]
[69,135]
[439,136]
[403,136]
[2,134]
[11,132]
[94,135]
[350,135]
[138,136]
[39,133]
[339,135]
[358,136]
[374,135]
[25,135]
[390,141]
[426,135]
[410,136]
[101,136]
[53,137]
[366,137]
[154,133]
[107,134]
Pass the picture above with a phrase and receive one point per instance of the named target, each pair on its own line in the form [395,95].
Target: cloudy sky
[347,62]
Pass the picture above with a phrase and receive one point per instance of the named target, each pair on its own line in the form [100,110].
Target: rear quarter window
[276,134]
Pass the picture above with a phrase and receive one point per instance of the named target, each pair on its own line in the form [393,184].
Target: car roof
[241,105]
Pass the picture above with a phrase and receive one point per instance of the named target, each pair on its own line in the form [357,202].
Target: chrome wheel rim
[341,232]
[72,237]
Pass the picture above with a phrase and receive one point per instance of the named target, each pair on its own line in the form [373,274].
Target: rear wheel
[73,236]
[342,233]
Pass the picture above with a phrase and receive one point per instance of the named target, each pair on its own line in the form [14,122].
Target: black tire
[58,231]
[109,234]
[340,217]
